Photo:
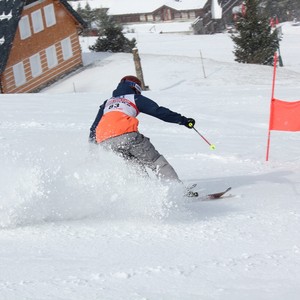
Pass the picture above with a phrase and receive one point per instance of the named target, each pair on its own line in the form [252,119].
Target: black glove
[190,123]
[92,137]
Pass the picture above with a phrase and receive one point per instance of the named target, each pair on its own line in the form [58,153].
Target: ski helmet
[134,83]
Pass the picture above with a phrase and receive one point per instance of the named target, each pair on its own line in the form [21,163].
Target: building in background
[38,43]
[140,11]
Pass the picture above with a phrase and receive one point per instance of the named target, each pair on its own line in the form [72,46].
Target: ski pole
[211,146]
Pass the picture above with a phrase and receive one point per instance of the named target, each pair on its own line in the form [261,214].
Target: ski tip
[218,195]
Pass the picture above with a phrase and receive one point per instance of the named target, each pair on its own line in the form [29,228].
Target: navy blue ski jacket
[144,105]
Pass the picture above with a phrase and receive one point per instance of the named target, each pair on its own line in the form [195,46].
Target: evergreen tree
[286,10]
[255,41]
[86,13]
[111,37]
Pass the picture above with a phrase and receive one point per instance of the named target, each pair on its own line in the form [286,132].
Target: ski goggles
[134,85]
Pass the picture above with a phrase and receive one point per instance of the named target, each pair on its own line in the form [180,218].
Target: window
[37,21]
[142,18]
[192,15]
[49,15]
[51,57]
[66,48]
[150,17]
[35,65]
[184,15]
[177,15]
[24,28]
[157,18]
[19,74]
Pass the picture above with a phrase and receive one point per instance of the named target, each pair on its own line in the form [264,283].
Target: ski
[189,191]
[218,195]
[190,187]
[213,196]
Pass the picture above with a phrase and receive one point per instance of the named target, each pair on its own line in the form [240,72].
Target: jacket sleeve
[92,136]
[149,107]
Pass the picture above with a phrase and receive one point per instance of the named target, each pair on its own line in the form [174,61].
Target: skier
[116,127]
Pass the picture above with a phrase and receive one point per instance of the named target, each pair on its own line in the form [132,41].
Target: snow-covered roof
[121,7]
[5,16]
[10,11]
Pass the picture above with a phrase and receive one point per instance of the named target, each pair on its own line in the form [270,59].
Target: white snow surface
[77,223]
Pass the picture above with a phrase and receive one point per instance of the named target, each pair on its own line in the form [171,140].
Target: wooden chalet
[147,11]
[210,22]
[161,14]
[38,43]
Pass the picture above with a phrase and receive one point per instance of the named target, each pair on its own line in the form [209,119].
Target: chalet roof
[122,7]
[10,14]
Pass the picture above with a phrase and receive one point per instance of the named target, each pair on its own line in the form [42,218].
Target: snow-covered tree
[111,37]
[255,40]
[285,10]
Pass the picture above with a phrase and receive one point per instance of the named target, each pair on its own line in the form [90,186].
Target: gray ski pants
[138,149]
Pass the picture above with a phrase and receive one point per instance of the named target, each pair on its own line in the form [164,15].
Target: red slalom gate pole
[272,97]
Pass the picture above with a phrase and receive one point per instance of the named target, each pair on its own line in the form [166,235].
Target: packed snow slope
[77,222]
